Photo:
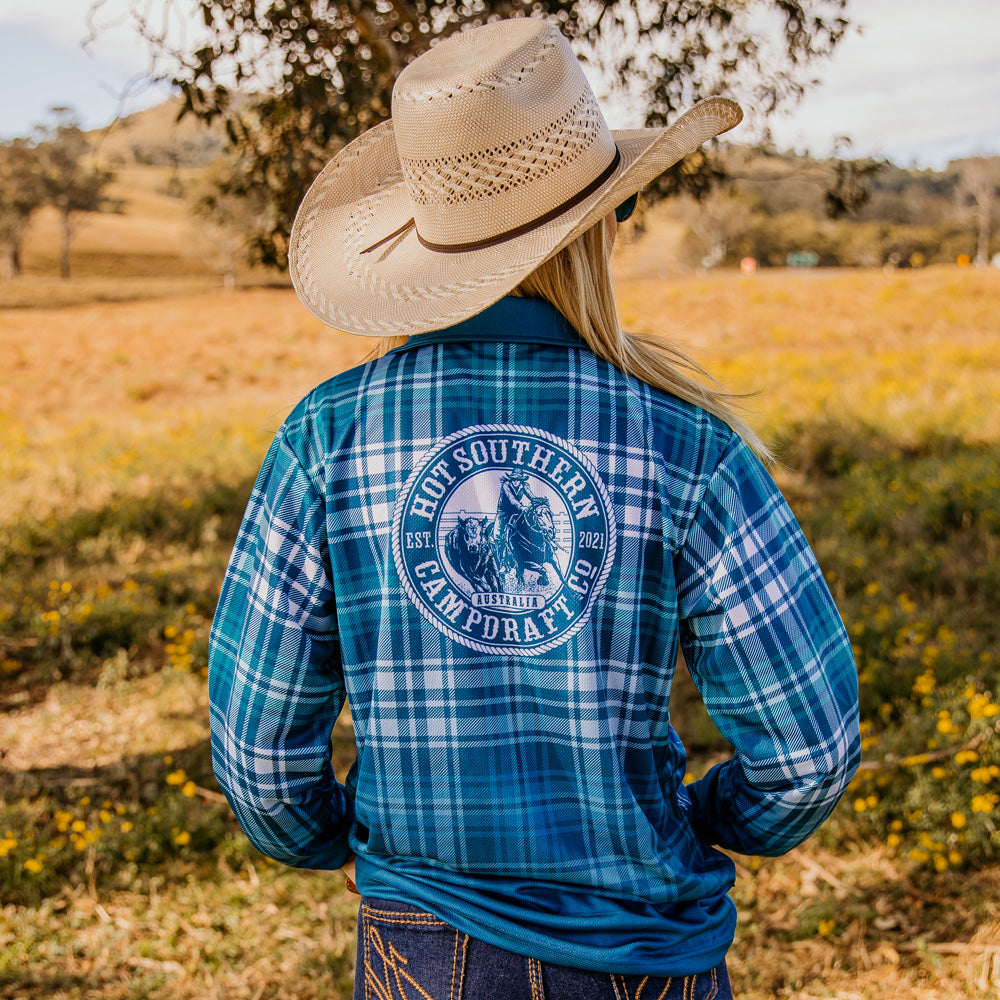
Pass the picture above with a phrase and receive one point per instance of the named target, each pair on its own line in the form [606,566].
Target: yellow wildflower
[893,840]
[958,820]
[177,777]
[33,865]
[826,927]
[189,789]
[182,838]
[940,862]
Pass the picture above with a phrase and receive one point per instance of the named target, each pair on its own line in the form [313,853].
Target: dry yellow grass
[79,726]
[908,352]
[140,387]
[101,398]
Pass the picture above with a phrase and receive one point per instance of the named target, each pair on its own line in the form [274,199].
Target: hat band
[510,234]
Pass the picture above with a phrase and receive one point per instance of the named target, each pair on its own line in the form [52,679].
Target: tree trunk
[228,267]
[66,245]
[985,202]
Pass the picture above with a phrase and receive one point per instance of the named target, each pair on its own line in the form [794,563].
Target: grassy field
[133,415]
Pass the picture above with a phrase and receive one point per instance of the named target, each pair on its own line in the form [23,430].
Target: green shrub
[119,833]
[909,539]
[931,788]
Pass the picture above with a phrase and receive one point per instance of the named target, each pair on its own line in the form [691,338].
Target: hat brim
[400,287]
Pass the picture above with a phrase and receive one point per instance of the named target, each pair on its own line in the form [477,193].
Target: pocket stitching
[454,964]
[395,917]
[535,978]
[715,985]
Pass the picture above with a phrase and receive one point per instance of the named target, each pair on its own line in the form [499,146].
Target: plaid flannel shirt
[493,544]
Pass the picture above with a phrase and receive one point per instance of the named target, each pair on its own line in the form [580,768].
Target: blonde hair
[577,281]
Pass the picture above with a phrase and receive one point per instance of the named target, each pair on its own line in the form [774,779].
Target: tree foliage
[70,183]
[54,168]
[21,192]
[293,80]
[774,205]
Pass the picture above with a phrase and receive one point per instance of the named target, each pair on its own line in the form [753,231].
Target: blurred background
[836,259]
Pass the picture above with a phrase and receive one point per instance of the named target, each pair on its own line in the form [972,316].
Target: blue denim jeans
[406,954]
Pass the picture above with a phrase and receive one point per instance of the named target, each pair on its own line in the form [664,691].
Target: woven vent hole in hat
[474,175]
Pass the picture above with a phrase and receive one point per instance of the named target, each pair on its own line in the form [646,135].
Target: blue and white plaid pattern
[488,785]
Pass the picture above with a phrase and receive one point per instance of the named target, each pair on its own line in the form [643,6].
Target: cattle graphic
[469,548]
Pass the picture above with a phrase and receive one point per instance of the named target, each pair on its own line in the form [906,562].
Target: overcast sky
[920,85]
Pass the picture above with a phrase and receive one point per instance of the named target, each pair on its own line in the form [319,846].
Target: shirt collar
[511,320]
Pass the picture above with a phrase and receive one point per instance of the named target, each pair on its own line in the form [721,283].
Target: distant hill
[155,137]
[774,210]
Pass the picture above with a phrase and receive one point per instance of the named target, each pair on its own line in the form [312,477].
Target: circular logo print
[503,537]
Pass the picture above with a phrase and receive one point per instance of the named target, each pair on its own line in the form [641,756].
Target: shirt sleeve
[769,653]
[275,683]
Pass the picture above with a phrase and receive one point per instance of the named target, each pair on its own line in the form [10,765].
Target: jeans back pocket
[406,954]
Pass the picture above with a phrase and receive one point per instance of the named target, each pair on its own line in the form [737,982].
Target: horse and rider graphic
[516,552]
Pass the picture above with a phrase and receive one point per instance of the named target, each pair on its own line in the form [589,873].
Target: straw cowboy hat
[496,157]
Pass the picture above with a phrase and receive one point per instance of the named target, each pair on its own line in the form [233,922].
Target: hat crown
[494,128]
